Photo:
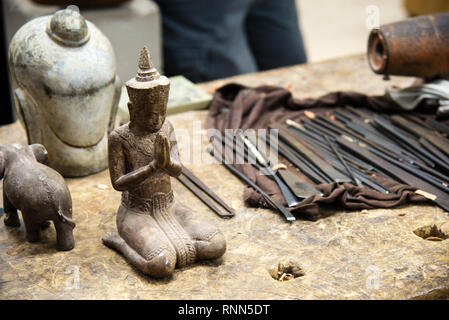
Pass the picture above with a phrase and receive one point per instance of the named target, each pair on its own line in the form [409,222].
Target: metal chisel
[217,143]
[299,187]
[440,142]
[291,199]
[299,147]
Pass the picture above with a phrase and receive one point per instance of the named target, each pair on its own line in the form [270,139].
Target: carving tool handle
[253,149]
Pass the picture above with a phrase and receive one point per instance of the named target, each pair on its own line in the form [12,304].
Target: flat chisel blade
[300,188]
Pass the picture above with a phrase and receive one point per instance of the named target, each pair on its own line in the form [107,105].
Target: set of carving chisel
[346,145]
[403,148]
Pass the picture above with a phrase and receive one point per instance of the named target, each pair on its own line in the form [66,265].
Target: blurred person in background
[205,40]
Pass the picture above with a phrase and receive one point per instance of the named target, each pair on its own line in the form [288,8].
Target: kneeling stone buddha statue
[155,232]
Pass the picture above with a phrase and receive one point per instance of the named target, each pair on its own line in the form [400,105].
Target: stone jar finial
[68,27]
[66,89]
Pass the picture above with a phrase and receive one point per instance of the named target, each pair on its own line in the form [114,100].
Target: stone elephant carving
[38,191]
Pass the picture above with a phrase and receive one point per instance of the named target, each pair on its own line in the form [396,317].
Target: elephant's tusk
[66,219]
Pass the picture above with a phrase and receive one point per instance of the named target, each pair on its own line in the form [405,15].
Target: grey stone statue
[66,90]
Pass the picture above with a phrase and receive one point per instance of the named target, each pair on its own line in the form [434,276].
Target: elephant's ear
[40,153]
[2,165]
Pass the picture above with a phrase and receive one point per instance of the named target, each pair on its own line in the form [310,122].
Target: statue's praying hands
[162,158]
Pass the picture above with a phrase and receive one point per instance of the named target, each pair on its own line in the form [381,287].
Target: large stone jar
[66,89]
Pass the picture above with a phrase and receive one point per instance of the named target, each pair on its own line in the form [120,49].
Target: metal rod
[413,171]
[287,214]
[189,174]
[290,198]
[310,155]
[418,148]
[433,193]
[348,170]
[197,191]
[289,154]
[300,188]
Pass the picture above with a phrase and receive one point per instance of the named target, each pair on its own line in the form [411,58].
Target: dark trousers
[210,39]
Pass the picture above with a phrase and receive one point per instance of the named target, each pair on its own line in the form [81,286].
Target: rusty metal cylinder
[417,47]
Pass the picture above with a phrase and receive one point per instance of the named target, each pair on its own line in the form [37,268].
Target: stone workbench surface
[372,254]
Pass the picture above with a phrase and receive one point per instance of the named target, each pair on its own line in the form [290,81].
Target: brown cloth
[235,106]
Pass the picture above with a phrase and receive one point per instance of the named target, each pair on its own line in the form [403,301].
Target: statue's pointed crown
[145,61]
[146,72]
[147,82]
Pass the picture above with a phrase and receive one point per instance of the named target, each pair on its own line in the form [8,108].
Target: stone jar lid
[68,27]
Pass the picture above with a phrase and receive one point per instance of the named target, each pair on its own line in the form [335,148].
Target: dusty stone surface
[369,254]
